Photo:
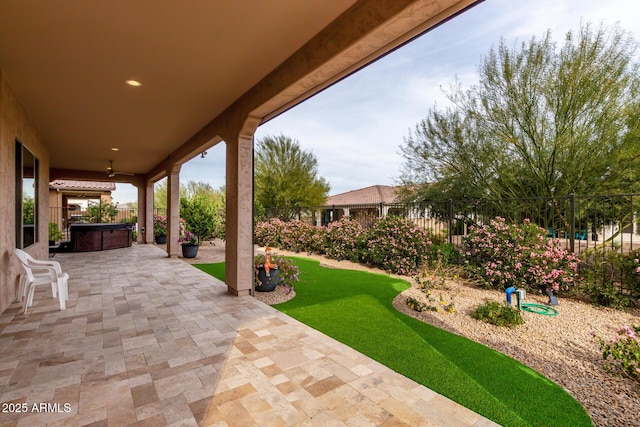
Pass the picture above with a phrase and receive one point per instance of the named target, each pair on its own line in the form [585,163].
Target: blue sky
[355,128]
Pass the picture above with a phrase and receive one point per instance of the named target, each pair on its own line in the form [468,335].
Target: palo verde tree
[542,121]
[286,177]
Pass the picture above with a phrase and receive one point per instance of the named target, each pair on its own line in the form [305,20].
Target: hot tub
[99,237]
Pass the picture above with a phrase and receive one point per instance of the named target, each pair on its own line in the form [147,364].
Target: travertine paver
[149,340]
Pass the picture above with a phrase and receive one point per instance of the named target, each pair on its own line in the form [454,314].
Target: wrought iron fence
[580,222]
[64,217]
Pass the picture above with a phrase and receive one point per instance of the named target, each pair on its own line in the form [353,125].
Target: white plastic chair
[41,273]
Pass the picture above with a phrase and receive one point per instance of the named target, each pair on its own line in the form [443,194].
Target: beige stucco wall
[15,123]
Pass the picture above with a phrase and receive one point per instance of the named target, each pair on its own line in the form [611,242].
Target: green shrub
[442,254]
[611,278]
[200,215]
[102,212]
[605,294]
[498,314]
[55,235]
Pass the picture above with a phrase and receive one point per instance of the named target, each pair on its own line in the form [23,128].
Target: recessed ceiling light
[133,83]
[115,149]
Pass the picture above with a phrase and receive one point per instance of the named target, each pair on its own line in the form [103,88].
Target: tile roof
[61,184]
[375,194]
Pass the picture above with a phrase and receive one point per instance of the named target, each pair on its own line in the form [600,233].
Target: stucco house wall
[16,124]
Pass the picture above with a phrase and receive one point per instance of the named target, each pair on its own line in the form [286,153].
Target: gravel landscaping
[560,347]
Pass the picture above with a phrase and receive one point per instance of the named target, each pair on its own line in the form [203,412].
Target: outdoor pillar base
[238,293]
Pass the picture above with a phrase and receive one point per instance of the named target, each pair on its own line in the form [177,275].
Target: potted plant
[285,275]
[190,244]
[160,229]
[55,235]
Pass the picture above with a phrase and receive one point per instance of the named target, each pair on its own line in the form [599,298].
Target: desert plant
[497,314]
[624,351]
[418,306]
[55,235]
[268,233]
[502,255]
[296,235]
[200,215]
[396,245]
[344,239]
[611,278]
[441,253]
[102,212]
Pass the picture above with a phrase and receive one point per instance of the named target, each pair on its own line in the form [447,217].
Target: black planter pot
[161,240]
[189,250]
[268,283]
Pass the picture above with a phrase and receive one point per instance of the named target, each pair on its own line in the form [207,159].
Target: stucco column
[173,211]
[148,218]
[239,216]
[145,211]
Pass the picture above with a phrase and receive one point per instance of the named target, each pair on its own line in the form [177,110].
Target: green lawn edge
[357,310]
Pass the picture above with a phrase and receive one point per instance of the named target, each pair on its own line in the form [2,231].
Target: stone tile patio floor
[150,340]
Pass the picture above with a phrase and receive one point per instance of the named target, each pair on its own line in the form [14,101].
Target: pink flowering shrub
[293,235]
[503,255]
[344,239]
[160,225]
[396,245]
[268,233]
[297,236]
[624,351]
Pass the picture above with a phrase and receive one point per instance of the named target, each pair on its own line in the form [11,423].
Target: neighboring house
[61,191]
[367,204]
[69,198]
[363,204]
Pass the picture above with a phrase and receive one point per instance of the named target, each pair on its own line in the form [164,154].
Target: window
[26,196]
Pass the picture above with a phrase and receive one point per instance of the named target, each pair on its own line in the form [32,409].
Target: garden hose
[545,310]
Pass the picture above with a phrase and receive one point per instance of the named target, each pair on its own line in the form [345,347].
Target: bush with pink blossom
[269,233]
[396,245]
[624,351]
[344,239]
[299,236]
[521,255]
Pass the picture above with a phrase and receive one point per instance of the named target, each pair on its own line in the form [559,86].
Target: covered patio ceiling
[68,61]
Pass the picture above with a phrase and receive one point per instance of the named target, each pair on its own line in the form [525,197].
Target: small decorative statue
[268,265]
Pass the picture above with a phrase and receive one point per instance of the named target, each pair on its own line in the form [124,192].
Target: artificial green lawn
[355,308]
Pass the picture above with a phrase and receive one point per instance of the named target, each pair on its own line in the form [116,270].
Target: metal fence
[64,217]
[580,222]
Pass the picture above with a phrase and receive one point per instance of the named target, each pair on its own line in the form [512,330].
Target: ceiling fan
[111,172]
